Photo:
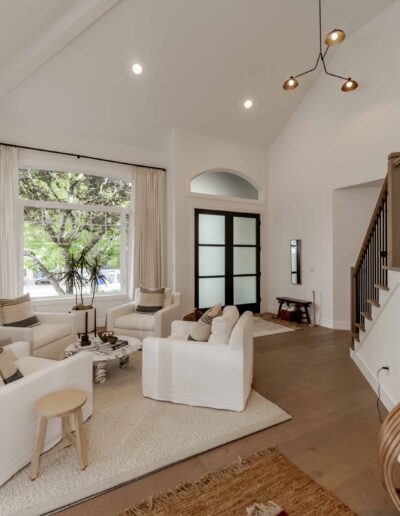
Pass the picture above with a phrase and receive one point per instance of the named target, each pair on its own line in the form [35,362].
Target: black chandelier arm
[320,28]
[329,73]
[311,69]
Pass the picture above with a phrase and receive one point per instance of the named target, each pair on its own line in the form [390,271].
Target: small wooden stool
[64,404]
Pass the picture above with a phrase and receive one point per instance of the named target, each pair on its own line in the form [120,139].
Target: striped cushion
[202,329]
[150,300]
[18,312]
[9,372]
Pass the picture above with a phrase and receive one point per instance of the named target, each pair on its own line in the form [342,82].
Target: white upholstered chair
[124,319]
[49,338]
[17,403]
[216,374]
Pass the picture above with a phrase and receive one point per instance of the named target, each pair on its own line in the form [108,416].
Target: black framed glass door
[227,259]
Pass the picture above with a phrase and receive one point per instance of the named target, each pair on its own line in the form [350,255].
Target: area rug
[262,477]
[130,436]
[262,327]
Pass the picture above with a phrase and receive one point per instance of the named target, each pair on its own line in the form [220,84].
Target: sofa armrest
[164,319]
[16,334]
[116,312]
[57,318]
[20,349]
[182,327]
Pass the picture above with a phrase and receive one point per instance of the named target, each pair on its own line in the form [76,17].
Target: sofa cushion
[9,372]
[221,327]
[150,300]
[201,330]
[18,312]
[136,321]
[29,365]
[167,297]
[45,333]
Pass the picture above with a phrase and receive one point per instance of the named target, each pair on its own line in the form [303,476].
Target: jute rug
[130,436]
[263,327]
[262,477]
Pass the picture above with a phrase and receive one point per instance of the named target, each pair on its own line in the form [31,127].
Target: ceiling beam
[52,41]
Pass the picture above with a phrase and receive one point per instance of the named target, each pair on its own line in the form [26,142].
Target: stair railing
[380,250]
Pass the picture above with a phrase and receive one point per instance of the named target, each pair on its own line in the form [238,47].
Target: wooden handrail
[372,224]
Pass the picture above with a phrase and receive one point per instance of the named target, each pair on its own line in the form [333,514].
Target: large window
[70,212]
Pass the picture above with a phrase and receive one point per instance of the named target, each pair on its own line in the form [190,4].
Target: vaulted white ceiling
[65,65]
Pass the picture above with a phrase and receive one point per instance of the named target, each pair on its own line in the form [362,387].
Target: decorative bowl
[104,335]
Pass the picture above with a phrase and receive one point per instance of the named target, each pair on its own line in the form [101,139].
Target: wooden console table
[300,304]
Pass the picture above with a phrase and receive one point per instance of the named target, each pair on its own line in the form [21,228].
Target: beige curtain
[11,238]
[148,227]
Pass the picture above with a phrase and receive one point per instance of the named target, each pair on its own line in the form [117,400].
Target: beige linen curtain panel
[11,248]
[148,227]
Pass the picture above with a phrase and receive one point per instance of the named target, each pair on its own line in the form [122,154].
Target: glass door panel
[211,291]
[244,290]
[244,260]
[244,231]
[211,261]
[211,229]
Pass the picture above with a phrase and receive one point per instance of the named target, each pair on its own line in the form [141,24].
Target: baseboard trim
[388,401]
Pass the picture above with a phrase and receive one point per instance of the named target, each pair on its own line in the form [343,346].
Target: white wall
[194,153]
[333,140]
[352,211]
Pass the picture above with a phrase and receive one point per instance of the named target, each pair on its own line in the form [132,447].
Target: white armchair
[207,374]
[17,403]
[49,338]
[124,319]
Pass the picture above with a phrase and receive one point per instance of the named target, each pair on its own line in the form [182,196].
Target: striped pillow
[9,372]
[150,300]
[202,329]
[18,312]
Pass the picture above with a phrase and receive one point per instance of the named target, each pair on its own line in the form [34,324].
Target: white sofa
[18,420]
[209,374]
[124,320]
[49,338]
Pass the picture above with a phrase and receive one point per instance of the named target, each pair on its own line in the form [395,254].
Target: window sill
[71,300]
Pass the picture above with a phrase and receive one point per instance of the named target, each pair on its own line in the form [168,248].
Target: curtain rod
[78,156]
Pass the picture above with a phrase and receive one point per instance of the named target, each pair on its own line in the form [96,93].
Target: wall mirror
[295,262]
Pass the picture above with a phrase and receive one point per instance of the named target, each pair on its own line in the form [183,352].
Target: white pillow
[222,326]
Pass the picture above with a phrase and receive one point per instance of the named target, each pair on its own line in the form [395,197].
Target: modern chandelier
[335,37]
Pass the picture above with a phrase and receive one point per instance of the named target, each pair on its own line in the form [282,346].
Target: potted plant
[82,272]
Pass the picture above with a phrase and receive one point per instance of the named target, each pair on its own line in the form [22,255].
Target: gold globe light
[350,85]
[290,84]
[335,37]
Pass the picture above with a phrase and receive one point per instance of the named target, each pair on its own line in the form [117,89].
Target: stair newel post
[393,208]
[353,283]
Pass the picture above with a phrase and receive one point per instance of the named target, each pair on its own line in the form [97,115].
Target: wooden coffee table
[101,358]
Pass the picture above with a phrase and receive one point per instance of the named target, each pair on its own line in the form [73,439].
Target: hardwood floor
[332,436]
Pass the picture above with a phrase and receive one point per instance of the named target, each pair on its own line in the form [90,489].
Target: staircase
[375,293]
[380,253]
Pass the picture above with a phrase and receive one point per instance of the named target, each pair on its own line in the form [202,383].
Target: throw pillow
[150,300]
[222,327]
[9,372]
[18,312]
[193,316]
[202,329]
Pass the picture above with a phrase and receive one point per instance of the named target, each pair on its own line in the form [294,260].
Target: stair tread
[382,287]
[374,302]
[361,326]
[367,315]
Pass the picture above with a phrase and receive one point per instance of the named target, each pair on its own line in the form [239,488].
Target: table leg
[123,362]
[38,447]
[279,309]
[307,315]
[80,439]
[100,371]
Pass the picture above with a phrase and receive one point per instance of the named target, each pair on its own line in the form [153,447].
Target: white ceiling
[201,59]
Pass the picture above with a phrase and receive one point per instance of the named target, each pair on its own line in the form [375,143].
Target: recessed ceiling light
[248,103]
[137,69]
